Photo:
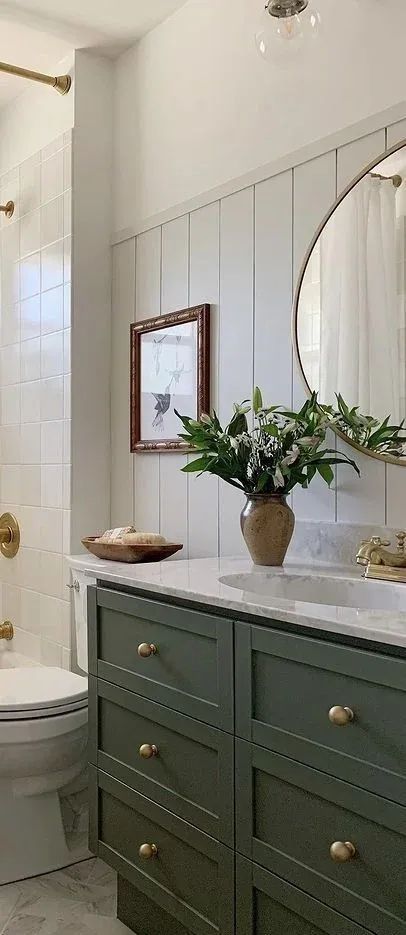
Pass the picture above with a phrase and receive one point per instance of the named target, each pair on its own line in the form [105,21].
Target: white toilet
[43,741]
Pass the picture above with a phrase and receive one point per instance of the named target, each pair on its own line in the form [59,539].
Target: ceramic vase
[267,524]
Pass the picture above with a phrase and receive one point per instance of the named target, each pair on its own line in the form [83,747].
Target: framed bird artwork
[170,370]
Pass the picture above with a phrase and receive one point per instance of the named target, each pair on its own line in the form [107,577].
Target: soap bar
[144,538]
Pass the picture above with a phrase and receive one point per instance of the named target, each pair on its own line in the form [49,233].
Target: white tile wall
[242,254]
[35,457]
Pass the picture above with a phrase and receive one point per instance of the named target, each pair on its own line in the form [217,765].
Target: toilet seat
[40,692]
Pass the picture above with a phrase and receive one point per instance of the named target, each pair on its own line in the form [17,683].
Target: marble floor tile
[80,900]
[9,896]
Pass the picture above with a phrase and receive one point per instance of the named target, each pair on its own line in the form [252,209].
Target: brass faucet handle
[376,540]
[9,534]
[401,537]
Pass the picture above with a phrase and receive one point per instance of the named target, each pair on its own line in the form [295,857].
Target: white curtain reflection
[359,354]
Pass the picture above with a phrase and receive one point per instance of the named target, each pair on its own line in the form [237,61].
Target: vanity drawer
[267,905]
[369,751]
[189,767]
[191,667]
[192,875]
[289,815]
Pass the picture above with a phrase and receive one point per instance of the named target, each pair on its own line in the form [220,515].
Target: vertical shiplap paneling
[175,296]
[395,476]
[148,304]
[314,194]
[396,496]
[396,133]
[255,234]
[360,500]
[352,158]
[273,289]
[236,337]
[204,287]
[122,462]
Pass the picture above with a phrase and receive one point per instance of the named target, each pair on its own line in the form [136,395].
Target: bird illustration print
[163,402]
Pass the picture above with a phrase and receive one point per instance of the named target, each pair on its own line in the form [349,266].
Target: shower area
[54,446]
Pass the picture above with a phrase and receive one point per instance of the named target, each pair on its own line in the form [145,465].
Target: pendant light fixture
[286,26]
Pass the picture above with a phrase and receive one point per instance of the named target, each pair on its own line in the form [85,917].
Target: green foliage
[367,431]
[277,451]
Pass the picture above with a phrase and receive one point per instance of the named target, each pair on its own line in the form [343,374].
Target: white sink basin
[340,591]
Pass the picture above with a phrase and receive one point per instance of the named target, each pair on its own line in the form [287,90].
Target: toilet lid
[40,691]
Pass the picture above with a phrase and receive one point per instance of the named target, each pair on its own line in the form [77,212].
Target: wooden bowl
[132,554]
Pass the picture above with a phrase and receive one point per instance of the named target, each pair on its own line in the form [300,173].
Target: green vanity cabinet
[242,809]
[188,766]
[176,657]
[267,905]
[133,906]
[191,877]
[286,686]
[292,816]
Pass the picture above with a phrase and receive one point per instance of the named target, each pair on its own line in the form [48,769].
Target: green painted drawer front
[290,816]
[267,905]
[285,687]
[192,668]
[193,773]
[192,876]
[143,916]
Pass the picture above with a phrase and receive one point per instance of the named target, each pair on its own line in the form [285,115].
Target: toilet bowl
[43,740]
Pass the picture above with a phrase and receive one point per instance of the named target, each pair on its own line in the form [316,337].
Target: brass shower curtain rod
[62,83]
[395,179]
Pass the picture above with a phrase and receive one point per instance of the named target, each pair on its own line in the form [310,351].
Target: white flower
[289,427]
[205,419]
[291,457]
[278,478]
[245,440]
[308,441]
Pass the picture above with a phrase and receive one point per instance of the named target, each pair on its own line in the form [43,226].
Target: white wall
[54,349]
[195,106]
[35,118]
[241,253]
[91,284]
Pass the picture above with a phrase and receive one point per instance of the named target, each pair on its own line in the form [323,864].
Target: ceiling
[109,21]
[38,34]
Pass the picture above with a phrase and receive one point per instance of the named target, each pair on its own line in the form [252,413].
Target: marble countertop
[201,581]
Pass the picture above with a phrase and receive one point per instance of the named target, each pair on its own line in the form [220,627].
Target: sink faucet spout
[379,562]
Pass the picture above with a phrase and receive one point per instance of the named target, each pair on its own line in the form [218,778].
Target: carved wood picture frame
[200,315]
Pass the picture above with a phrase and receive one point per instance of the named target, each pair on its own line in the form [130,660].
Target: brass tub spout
[6,630]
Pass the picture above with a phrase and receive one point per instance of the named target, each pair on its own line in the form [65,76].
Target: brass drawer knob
[145,650]
[148,851]
[342,851]
[341,716]
[148,750]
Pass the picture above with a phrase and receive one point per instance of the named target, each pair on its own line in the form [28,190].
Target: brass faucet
[6,630]
[379,562]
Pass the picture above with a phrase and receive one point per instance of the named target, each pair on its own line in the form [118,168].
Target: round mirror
[350,311]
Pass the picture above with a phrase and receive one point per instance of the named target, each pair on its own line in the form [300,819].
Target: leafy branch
[281,450]
[368,432]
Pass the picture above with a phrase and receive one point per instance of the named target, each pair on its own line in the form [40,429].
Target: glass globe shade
[280,38]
